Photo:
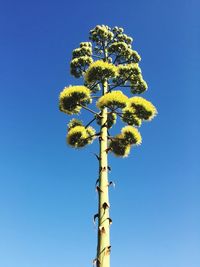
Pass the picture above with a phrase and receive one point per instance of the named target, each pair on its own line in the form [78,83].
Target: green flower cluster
[131,74]
[71,99]
[137,84]
[121,144]
[123,52]
[101,33]
[111,120]
[112,100]
[84,50]
[78,136]
[81,59]
[128,70]
[120,36]
[99,71]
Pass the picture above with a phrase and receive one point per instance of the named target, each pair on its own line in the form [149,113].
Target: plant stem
[103,248]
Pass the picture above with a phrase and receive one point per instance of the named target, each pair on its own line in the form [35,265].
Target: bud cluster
[123,53]
[100,34]
[130,74]
[81,59]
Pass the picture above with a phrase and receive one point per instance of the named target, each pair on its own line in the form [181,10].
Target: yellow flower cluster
[121,144]
[143,109]
[131,135]
[118,148]
[112,100]
[72,97]
[128,116]
[79,136]
[100,70]
[73,123]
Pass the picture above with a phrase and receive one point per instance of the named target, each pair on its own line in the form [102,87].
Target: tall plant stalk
[117,66]
[103,249]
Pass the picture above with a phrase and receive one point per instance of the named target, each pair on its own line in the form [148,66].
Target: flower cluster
[84,50]
[121,144]
[78,136]
[120,36]
[117,66]
[123,52]
[129,117]
[131,75]
[142,108]
[112,100]
[101,33]
[138,84]
[81,59]
[131,135]
[71,99]
[99,71]
[118,147]
[73,123]
[128,70]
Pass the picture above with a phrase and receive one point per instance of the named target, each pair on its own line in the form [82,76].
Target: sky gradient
[47,196]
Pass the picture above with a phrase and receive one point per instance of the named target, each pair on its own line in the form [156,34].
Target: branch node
[102,229]
[99,189]
[105,206]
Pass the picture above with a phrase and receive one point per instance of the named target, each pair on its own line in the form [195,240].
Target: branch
[97,56]
[127,61]
[93,85]
[92,111]
[112,39]
[119,84]
[118,113]
[97,134]
[97,51]
[116,59]
[122,85]
[90,122]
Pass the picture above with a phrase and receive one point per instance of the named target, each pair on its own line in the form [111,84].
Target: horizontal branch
[98,56]
[90,122]
[88,109]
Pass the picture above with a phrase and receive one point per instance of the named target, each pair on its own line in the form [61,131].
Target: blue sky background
[47,196]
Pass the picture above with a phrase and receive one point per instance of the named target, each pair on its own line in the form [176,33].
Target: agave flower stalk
[103,247]
[106,64]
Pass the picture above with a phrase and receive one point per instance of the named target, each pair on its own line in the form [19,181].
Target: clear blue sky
[47,196]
